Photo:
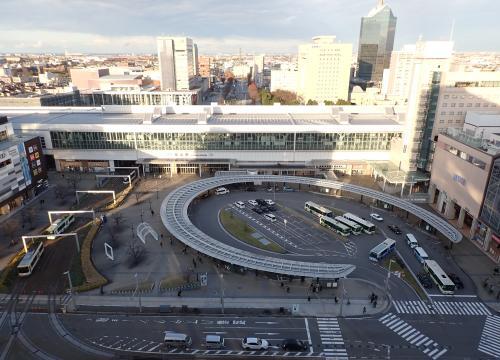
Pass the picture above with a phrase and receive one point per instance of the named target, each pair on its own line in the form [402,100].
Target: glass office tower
[376,40]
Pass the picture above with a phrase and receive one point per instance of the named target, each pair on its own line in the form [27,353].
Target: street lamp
[388,276]
[222,292]
[70,288]
[137,291]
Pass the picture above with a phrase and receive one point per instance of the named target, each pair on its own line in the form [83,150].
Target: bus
[383,249]
[443,282]
[334,225]
[356,229]
[29,260]
[367,226]
[60,225]
[317,210]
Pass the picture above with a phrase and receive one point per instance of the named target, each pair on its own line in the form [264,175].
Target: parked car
[376,217]
[240,204]
[269,202]
[221,191]
[264,208]
[252,202]
[293,345]
[257,210]
[289,189]
[425,280]
[272,208]
[456,280]
[254,343]
[395,229]
[261,202]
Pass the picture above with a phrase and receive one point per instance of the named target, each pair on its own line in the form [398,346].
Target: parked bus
[443,282]
[383,249]
[29,260]
[356,229]
[335,225]
[60,225]
[317,210]
[367,226]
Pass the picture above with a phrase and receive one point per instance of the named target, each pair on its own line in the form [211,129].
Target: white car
[239,204]
[254,343]
[221,191]
[269,202]
[253,202]
[376,217]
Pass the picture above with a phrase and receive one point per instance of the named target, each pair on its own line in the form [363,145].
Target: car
[253,202]
[269,202]
[240,204]
[264,208]
[272,208]
[456,280]
[257,210]
[270,189]
[286,188]
[425,280]
[221,191]
[293,345]
[254,343]
[395,229]
[376,217]
[261,202]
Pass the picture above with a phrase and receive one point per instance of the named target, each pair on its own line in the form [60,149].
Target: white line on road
[308,335]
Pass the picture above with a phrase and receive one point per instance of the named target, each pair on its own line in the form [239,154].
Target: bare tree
[136,252]
[118,219]
[10,229]
[113,239]
[73,180]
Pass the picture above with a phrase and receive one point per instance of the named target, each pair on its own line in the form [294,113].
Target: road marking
[330,334]
[489,343]
[463,308]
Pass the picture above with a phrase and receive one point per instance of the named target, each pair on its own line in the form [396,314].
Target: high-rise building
[324,70]
[196,66]
[176,60]
[284,78]
[376,39]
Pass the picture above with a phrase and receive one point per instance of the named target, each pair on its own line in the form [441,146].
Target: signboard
[204,279]
[25,167]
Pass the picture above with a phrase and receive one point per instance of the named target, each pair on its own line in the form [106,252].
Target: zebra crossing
[331,338]
[468,308]
[428,346]
[489,343]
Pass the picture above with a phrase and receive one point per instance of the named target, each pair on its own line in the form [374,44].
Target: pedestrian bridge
[174,214]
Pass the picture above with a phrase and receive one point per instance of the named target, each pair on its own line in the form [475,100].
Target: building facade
[487,232]
[376,40]
[285,79]
[176,60]
[324,70]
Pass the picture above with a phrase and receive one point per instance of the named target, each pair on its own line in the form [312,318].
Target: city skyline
[118,27]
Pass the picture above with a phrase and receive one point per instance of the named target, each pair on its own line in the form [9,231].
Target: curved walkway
[174,214]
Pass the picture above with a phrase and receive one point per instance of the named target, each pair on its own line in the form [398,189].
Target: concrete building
[205,65]
[140,97]
[87,78]
[176,60]
[22,167]
[203,139]
[70,98]
[196,65]
[376,40]
[400,73]
[324,70]
[463,163]
[285,78]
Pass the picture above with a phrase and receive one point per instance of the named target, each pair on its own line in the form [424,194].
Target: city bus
[356,229]
[381,250]
[317,210]
[60,225]
[367,226]
[443,282]
[334,225]
[29,260]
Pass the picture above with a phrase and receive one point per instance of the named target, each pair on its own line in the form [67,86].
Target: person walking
[364,310]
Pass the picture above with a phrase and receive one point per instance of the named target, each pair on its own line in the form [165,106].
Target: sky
[225,26]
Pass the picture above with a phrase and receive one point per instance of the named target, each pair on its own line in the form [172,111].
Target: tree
[136,252]
[113,239]
[329,102]
[266,98]
[285,97]
[118,219]
[342,102]
[253,92]
[312,102]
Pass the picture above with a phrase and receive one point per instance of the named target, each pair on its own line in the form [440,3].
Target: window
[445,105]
[443,112]
[478,104]
[447,96]
[461,105]
[451,113]
[469,104]
[453,104]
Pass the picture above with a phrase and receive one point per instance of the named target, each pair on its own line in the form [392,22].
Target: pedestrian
[179,293]
[309,298]
[288,289]
[364,309]
[282,284]
[161,235]
[375,304]
[171,240]
[161,243]
[152,212]
[336,300]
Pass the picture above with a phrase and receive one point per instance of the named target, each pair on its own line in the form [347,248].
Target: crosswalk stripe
[422,341]
[463,308]
[489,343]
[440,354]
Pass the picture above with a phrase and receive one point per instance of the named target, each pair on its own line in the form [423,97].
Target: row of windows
[221,141]
[464,156]
[468,105]
[5,163]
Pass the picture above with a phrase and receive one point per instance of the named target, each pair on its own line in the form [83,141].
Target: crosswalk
[331,338]
[468,308]
[489,343]
[428,346]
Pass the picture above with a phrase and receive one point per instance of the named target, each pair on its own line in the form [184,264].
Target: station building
[287,140]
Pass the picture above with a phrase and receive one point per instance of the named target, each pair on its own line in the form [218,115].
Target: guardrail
[174,214]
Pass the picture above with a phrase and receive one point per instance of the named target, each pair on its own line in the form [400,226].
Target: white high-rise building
[285,78]
[324,69]
[196,66]
[176,60]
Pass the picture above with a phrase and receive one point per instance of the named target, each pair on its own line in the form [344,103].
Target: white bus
[60,225]
[443,282]
[29,260]
[335,225]
[381,250]
[367,226]
[317,210]
[356,229]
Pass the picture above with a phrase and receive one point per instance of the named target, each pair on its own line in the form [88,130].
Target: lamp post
[222,292]
[70,288]
[388,276]
[137,291]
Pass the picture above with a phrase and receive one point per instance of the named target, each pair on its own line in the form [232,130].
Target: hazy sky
[270,26]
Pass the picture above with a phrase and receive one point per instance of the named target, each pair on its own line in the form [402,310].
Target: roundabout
[174,215]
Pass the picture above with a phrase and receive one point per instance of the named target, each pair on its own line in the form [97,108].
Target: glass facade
[490,212]
[376,40]
[222,141]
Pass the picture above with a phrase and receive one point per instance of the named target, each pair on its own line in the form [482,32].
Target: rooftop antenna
[452,29]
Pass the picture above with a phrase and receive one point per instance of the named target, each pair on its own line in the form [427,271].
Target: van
[420,254]
[214,342]
[240,204]
[411,241]
[221,191]
[178,340]
[270,217]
